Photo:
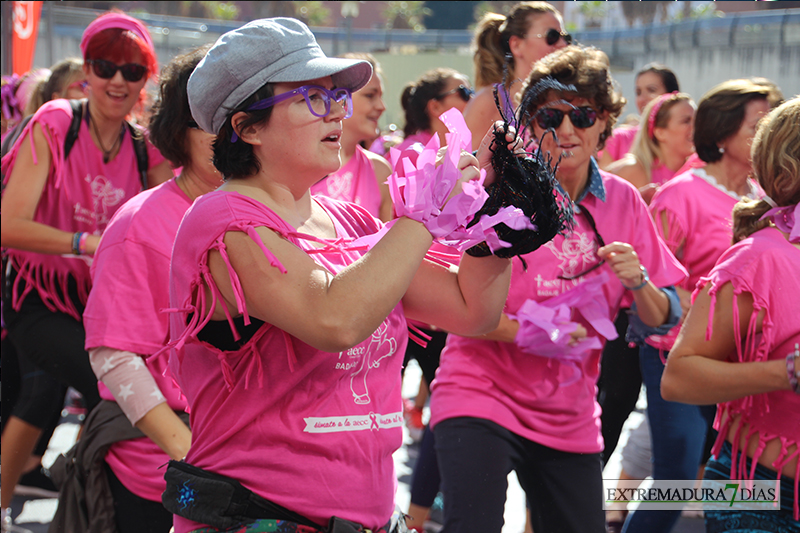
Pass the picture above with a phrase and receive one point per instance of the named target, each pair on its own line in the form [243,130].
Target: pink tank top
[312,431]
[81,194]
[355,182]
[764,265]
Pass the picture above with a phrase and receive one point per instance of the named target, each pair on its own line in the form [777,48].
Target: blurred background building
[703,42]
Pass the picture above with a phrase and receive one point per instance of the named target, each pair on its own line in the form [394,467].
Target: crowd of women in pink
[233,287]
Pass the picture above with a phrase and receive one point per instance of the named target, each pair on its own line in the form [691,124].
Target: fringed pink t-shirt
[766,266]
[310,430]
[81,194]
[537,397]
[355,182]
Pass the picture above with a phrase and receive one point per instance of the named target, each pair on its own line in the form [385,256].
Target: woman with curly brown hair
[523,397]
[124,325]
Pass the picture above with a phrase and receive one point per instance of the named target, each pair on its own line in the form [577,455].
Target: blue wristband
[645,279]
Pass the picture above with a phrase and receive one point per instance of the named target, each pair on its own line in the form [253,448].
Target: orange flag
[26,27]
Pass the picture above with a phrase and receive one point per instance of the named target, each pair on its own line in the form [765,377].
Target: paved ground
[33,515]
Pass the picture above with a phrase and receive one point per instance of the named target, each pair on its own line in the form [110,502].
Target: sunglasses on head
[581,117]
[463,91]
[552,36]
[107,69]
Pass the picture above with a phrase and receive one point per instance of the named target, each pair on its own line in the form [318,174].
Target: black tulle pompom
[526,181]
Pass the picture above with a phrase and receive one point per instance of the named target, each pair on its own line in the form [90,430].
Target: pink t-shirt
[310,430]
[531,395]
[81,194]
[699,216]
[421,137]
[661,174]
[355,182]
[130,276]
[620,141]
[764,265]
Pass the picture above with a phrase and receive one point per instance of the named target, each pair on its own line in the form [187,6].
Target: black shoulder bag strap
[140,149]
[74,126]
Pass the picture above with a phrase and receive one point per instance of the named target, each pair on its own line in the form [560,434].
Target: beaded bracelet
[645,279]
[791,368]
[76,242]
[82,243]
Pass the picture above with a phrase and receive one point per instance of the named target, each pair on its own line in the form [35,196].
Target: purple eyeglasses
[318,99]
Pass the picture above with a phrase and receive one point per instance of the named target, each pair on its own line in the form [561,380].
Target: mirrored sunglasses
[462,91]
[107,69]
[318,99]
[552,36]
[581,117]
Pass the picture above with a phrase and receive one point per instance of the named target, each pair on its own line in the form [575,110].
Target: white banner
[370,422]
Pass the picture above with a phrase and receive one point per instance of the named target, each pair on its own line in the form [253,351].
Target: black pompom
[527,182]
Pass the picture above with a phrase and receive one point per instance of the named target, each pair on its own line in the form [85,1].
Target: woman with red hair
[58,198]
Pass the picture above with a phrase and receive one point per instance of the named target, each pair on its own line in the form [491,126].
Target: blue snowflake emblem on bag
[186,495]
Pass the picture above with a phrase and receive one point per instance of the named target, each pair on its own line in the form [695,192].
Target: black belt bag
[218,501]
[223,503]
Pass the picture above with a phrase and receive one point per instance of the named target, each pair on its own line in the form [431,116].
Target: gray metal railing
[172,35]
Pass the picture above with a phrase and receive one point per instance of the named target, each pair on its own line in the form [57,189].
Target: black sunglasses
[553,35]
[581,117]
[600,243]
[464,92]
[106,69]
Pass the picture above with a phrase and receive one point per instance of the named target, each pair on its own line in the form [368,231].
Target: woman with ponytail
[740,344]
[506,47]
[692,213]
[426,99]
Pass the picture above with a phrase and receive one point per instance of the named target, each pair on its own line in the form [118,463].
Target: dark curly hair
[236,159]
[587,70]
[171,113]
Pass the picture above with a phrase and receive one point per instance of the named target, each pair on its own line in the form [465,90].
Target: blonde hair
[492,36]
[644,147]
[776,165]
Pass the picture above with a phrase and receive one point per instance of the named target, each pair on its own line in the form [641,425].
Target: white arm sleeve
[127,377]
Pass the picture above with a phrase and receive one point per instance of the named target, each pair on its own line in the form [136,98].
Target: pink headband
[651,120]
[115,20]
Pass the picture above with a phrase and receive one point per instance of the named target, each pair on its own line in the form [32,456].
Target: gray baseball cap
[266,50]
